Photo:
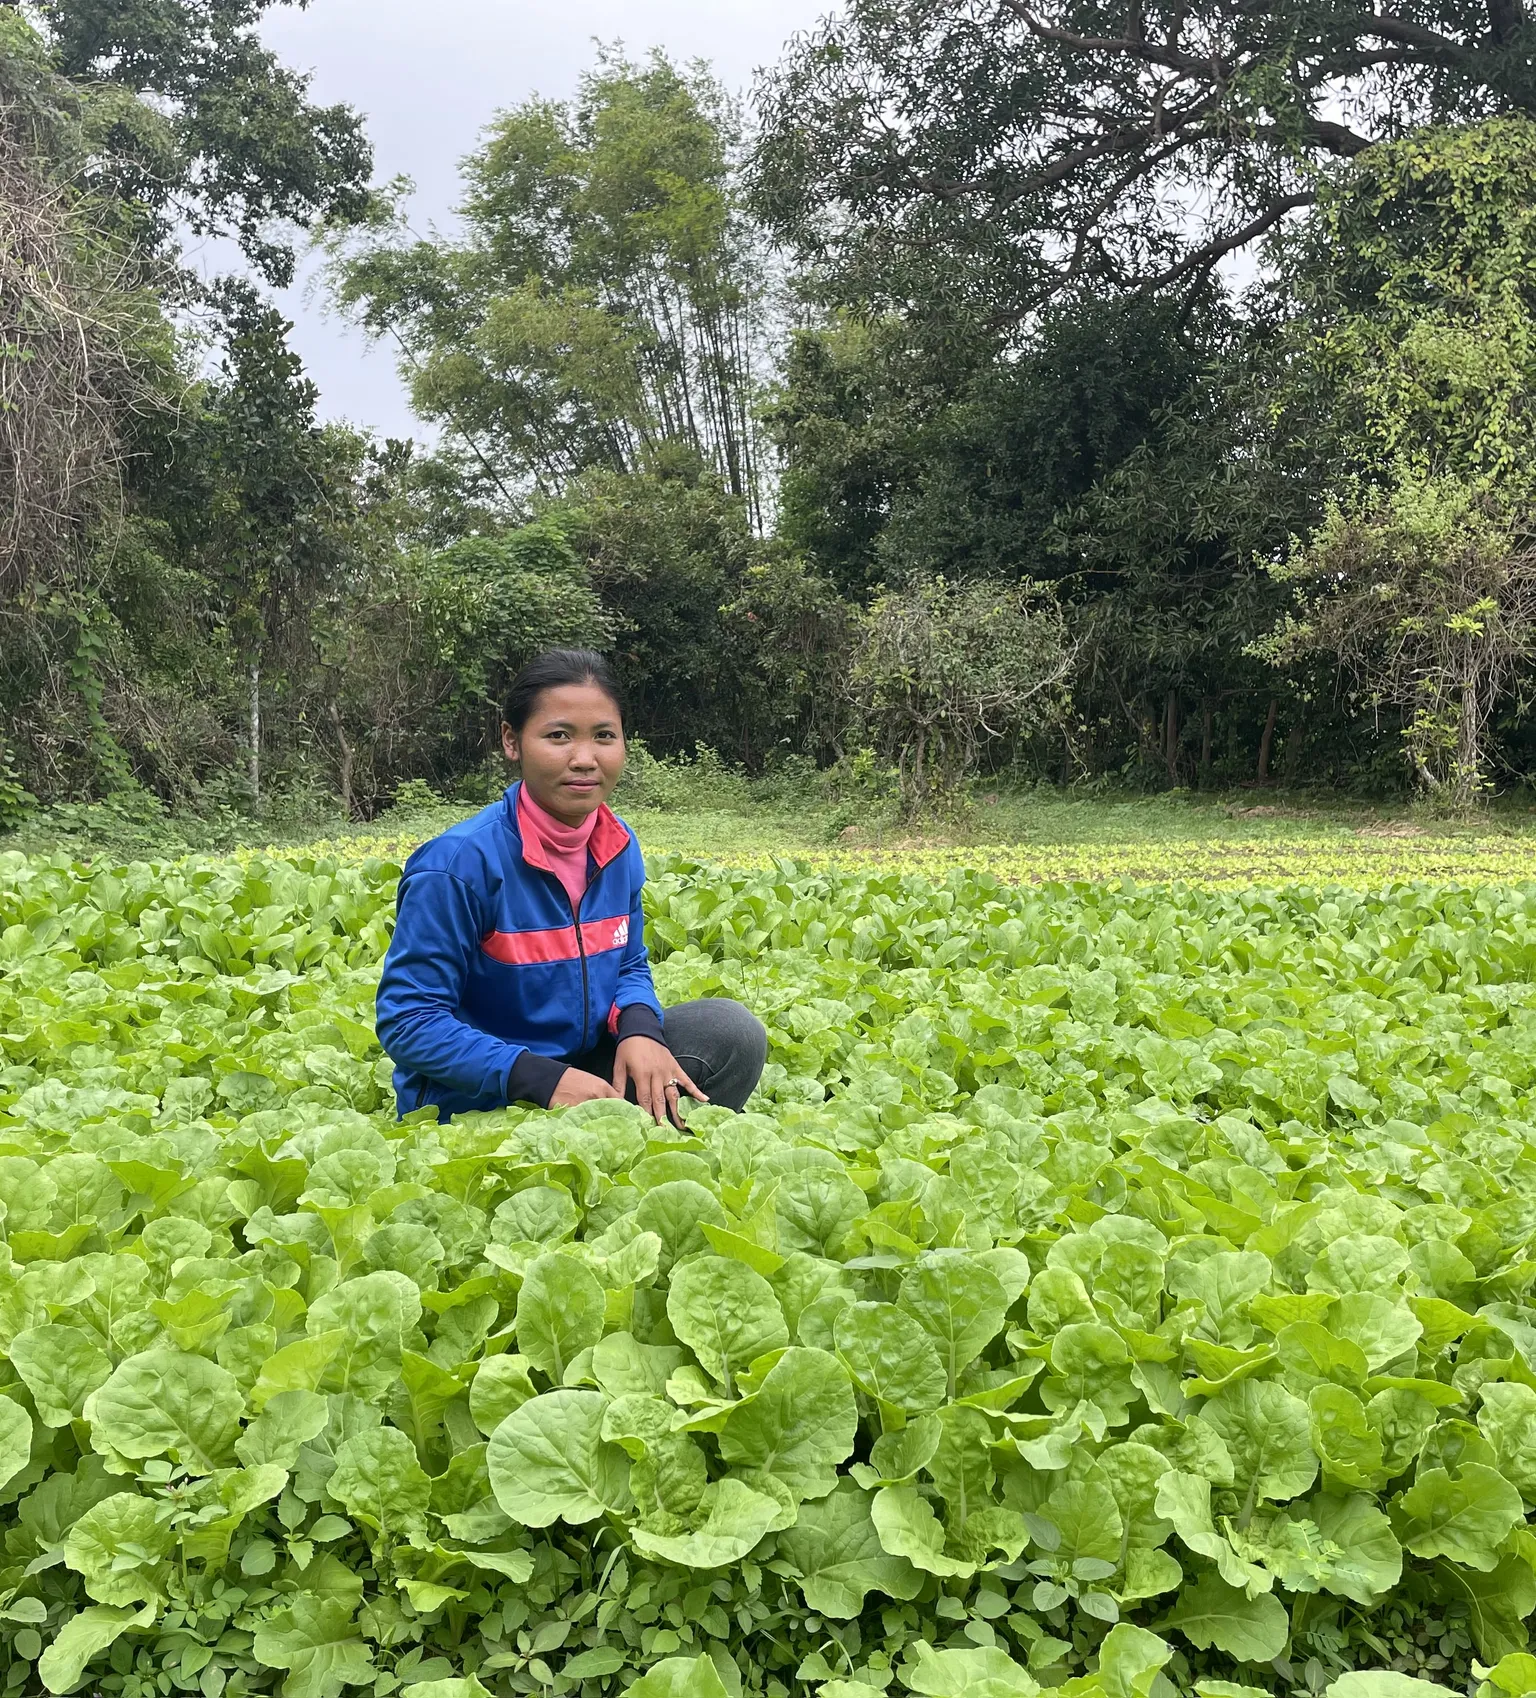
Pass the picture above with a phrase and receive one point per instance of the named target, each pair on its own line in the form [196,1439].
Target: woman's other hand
[578,1087]
[658,1080]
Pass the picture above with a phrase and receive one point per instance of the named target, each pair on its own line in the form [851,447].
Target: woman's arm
[437,931]
[636,1009]
[643,1059]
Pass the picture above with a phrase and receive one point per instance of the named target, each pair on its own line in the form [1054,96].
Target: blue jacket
[492,983]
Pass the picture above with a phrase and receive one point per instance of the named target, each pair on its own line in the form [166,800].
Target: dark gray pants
[718,1043]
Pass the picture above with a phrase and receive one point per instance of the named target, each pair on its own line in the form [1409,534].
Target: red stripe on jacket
[526,949]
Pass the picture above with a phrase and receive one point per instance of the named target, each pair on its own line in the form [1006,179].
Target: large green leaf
[15,1439]
[118,1545]
[726,1314]
[166,1402]
[548,1461]
[376,1314]
[987,1672]
[799,1424]
[1268,1434]
[84,1636]
[381,1484]
[1130,1660]
[318,1643]
[680,1677]
[959,1302]
[559,1313]
[501,1384]
[287,1423]
[1212,1613]
[734,1520]
[1185,1500]
[1364,1560]
[1508,1421]
[837,1555]
[1465,1519]
[61,1366]
[890,1356]
[908,1528]
[1384,1683]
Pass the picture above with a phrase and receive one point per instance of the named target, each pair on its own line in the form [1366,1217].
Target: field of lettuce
[1127,1290]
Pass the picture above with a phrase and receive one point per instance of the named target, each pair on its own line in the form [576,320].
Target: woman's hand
[578,1087]
[658,1080]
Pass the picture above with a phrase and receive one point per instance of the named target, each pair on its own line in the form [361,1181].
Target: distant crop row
[1128,1289]
[1364,861]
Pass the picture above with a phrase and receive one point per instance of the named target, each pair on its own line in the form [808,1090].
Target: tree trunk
[1469,749]
[346,762]
[1207,737]
[255,750]
[1293,740]
[1266,742]
[1171,736]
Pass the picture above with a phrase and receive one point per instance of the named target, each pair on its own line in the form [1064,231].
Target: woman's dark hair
[551,670]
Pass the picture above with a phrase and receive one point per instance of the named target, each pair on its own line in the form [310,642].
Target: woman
[518,970]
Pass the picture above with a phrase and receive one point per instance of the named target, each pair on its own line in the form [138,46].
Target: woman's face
[571,750]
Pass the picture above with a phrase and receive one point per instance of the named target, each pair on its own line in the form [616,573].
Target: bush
[16,801]
[415,794]
[674,783]
[942,670]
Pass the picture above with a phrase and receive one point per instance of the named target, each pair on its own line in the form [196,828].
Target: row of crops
[1125,1290]
[1313,853]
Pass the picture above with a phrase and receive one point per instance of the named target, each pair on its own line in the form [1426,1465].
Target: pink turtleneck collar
[564,846]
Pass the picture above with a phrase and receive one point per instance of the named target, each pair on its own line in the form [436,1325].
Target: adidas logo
[621,933]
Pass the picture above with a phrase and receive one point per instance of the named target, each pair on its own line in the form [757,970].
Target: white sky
[427,78]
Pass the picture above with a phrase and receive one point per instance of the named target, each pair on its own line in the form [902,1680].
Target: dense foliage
[1217,325]
[1106,1282]
[1015,223]
[600,307]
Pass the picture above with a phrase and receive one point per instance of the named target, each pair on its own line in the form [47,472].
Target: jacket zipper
[581,950]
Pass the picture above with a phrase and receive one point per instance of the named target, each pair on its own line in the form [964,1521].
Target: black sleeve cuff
[638,1021]
[533,1078]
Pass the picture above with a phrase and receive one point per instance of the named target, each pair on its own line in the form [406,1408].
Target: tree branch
[1204,258]
[1171,58]
[1338,139]
[1409,34]
[1504,20]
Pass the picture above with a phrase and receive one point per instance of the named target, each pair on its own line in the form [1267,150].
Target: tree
[1414,346]
[602,311]
[1412,295]
[1428,602]
[413,648]
[972,158]
[255,504]
[122,127]
[790,635]
[80,345]
[63,329]
[895,464]
[196,126]
[1162,559]
[665,554]
[941,670]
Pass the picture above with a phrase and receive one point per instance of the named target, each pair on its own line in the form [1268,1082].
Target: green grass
[1234,838]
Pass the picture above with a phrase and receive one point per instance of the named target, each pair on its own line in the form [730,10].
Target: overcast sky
[428,77]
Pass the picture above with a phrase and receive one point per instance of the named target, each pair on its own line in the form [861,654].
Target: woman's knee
[718,1024]
[748,1035]
[725,1039]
